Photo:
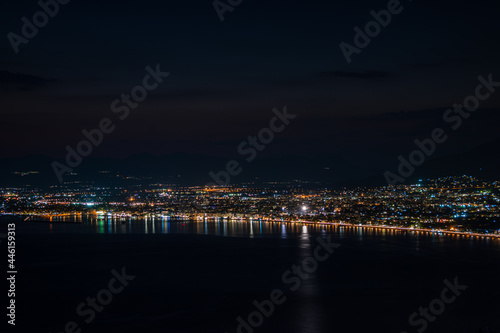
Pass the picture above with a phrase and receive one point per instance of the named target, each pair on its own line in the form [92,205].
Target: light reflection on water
[307,312]
[227,228]
[166,225]
[307,320]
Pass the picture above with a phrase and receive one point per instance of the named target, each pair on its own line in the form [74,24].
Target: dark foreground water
[197,276]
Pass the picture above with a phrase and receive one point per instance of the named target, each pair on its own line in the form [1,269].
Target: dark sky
[226,77]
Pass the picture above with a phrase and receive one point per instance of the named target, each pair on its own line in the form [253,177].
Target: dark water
[199,276]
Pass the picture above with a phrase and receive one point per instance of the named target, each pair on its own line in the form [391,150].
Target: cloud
[418,114]
[445,62]
[364,75]
[10,81]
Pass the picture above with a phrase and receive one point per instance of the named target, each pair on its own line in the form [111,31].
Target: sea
[246,276]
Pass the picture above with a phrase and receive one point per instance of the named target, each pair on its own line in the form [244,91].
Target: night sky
[226,77]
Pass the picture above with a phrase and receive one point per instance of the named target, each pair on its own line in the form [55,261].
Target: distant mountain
[193,169]
[482,162]
[182,169]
